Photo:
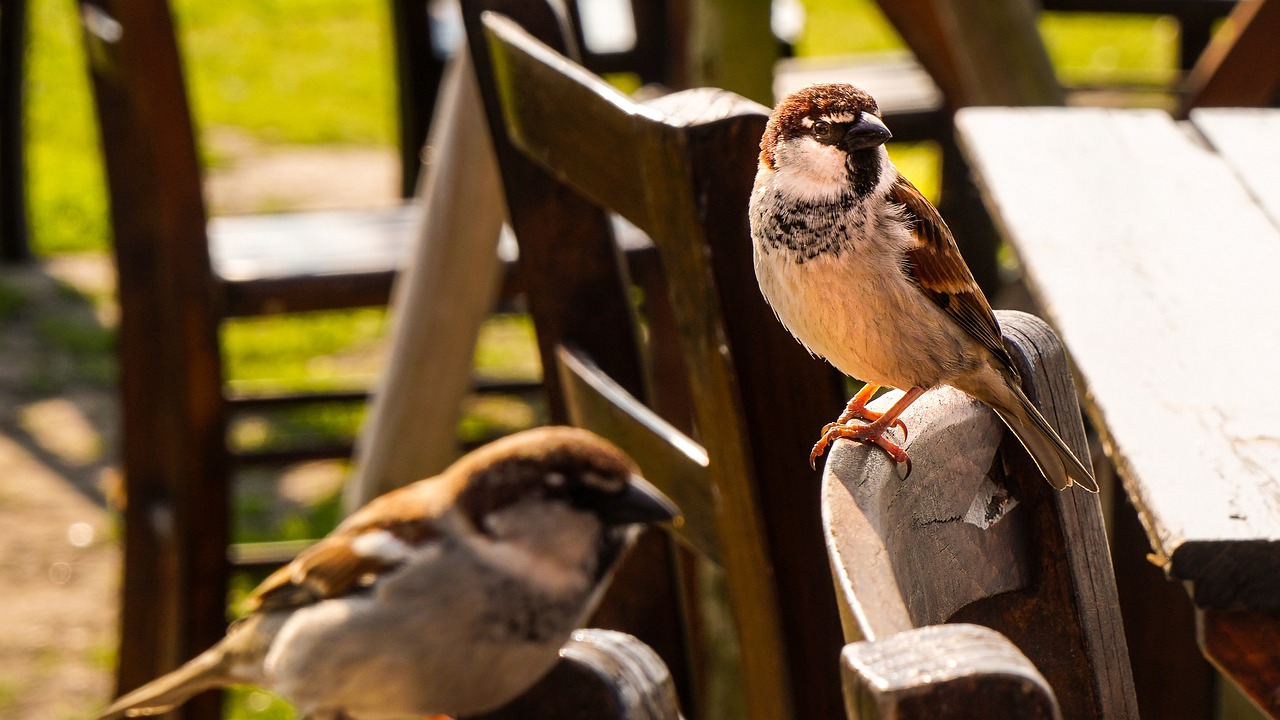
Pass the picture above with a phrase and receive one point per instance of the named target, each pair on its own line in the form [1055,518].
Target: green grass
[284,71]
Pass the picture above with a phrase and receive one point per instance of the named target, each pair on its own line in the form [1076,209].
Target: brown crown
[813,102]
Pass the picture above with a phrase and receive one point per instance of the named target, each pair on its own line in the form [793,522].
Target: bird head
[826,141]
[561,490]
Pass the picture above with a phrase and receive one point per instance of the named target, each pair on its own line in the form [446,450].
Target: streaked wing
[338,564]
[941,273]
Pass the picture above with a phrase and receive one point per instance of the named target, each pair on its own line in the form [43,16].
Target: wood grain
[952,671]
[1156,267]
[975,534]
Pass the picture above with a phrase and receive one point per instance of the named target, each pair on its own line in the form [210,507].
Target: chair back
[572,149]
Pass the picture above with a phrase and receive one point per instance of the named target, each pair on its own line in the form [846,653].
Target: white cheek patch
[809,170]
[381,545]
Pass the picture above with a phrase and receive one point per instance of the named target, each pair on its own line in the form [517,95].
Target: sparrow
[449,596]
[863,271]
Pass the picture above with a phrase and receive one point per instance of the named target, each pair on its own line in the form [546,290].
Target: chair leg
[419,70]
[13,215]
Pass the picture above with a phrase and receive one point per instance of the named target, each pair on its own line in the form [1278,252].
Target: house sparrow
[862,270]
[449,596]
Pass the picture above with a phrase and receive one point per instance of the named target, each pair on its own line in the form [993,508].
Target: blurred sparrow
[860,267]
[452,595]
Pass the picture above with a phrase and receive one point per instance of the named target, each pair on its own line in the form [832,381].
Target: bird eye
[822,129]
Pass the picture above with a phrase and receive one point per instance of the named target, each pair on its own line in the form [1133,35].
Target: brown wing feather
[332,567]
[941,273]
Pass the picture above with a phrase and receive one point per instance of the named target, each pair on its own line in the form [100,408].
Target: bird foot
[872,434]
[865,415]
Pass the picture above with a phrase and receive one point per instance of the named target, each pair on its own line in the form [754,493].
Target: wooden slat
[1157,269]
[1249,141]
[1241,65]
[956,671]
[980,52]
[577,288]
[682,172]
[671,460]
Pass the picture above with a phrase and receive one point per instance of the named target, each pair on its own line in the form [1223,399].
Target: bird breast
[849,303]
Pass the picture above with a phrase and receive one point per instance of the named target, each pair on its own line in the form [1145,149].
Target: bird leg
[873,433]
[857,408]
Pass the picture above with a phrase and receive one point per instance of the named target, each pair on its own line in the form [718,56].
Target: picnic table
[1153,247]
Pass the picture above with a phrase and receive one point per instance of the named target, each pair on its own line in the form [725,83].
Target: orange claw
[861,433]
[873,433]
[857,410]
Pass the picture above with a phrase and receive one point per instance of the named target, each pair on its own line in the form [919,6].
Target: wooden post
[732,46]
[445,292]
[13,211]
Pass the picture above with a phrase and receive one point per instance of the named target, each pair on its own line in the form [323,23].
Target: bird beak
[641,502]
[868,132]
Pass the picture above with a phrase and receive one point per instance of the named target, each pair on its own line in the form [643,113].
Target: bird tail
[203,672]
[1059,465]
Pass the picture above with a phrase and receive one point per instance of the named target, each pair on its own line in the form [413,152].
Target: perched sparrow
[452,595]
[860,267]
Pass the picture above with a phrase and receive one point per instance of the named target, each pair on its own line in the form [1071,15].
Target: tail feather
[1059,465]
[203,672]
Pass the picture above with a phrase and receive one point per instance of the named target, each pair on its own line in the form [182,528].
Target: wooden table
[1153,247]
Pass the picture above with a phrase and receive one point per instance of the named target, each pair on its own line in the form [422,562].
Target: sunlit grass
[284,71]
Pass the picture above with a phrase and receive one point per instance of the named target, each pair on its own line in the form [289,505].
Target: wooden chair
[971,588]
[602,675]
[176,287]
[734,459]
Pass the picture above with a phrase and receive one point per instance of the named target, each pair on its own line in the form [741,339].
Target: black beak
[867,132]
[641,502]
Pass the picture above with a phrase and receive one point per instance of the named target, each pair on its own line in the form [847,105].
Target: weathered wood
[602,675]
[1241,65]
[952,671]
[449,287]
[976,535]
[1243,644]
[1249,141]
[13,208]
[1180,287]
[681,170]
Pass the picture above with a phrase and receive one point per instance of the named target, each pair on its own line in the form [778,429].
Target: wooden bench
[1152,247]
